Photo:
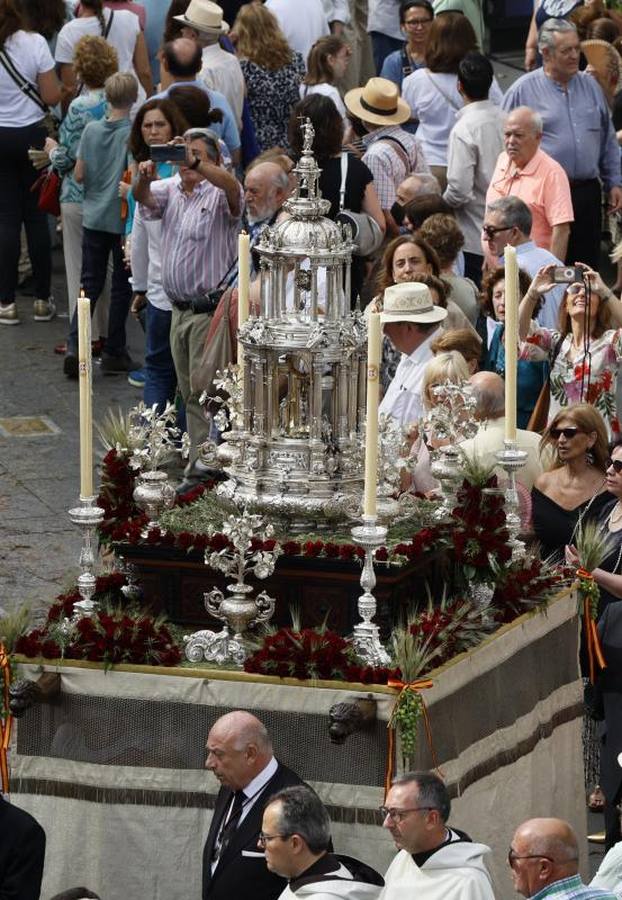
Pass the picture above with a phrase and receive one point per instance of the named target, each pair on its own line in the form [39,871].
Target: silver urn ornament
[153,494]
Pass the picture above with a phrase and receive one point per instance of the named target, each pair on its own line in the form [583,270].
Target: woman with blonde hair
[327,63]
[444,368]
[272,72]
[573,489]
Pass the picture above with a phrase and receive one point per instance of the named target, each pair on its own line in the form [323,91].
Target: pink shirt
[542,184]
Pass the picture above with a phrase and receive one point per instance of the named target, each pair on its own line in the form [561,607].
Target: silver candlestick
[366,637]
[87,516]
[511,459]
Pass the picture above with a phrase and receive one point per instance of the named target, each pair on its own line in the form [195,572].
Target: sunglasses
[616,464]
[490,230]
[568,433]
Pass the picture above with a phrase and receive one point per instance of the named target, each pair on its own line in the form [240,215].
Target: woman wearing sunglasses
[585,351]
[571,492]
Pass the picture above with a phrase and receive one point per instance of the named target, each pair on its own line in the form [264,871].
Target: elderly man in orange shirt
[525,171]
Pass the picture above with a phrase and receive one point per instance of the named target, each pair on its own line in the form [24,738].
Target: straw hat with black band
[379,102]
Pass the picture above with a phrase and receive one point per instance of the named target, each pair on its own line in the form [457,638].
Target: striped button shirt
[572,889]
[199,236]
[390,162]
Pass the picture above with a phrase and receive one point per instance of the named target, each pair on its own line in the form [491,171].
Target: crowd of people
[148,136]
[270,839]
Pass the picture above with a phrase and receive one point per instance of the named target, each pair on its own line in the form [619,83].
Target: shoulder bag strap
[27,87]
[442,92]
[109,25]
[406,64]
[401,151]
[344,176]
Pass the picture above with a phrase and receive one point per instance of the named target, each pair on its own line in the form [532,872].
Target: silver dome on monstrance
[296,452]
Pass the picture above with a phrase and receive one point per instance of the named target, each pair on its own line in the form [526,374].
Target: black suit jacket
[22,851]
[239,875]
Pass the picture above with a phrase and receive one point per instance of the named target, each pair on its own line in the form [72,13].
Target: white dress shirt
[403,400]
[221,71]
[384,17]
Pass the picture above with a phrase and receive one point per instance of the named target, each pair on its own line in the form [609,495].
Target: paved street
[39,474]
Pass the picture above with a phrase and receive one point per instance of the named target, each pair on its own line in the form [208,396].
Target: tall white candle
[511,340]
[374,349]
[243,287]
[85,373]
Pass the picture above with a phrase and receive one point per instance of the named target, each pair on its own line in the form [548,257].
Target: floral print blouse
[271,97]
[589,378]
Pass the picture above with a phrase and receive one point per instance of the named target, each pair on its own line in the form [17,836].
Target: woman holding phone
[586,348]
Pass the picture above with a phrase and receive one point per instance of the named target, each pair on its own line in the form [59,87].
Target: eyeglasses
[615,464]
[490,230]
[398,815]
[568,433]
[513,856]
[417,23]
[264,838]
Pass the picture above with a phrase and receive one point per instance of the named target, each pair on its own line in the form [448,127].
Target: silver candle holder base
[511,460]
[87,516]
[366,636]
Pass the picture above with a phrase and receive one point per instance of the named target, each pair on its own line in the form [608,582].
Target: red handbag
[48,186]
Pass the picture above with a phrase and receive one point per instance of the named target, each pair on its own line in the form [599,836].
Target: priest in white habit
[435,862]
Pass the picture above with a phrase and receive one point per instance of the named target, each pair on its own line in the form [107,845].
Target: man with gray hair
[544,861]
[200,209]
[524,170]
[435,861]
[577,132]
[295,835]
[508,221]
[239,754]
[489,390]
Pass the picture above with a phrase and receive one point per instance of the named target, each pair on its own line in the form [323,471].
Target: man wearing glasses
[296,837]
[544,859]
[435,861]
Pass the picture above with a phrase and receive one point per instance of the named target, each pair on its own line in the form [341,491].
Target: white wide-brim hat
[379,102]
[203,15]
[410,301]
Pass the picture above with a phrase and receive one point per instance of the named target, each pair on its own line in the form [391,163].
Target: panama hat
[379,102]
[410,301]
[203,15]
[605,60]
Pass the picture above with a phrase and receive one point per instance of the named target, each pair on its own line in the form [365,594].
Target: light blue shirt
[84,109]
[392,67]
[578,131]
[227,129]
[531,258]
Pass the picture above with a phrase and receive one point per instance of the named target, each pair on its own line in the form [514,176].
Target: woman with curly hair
[94,60]
[272,72]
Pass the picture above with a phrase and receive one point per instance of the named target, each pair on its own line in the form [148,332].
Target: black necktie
[230,823]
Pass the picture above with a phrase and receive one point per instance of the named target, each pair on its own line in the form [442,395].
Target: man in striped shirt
[200,209]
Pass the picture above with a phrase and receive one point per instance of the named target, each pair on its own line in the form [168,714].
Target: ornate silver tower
[298,452]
